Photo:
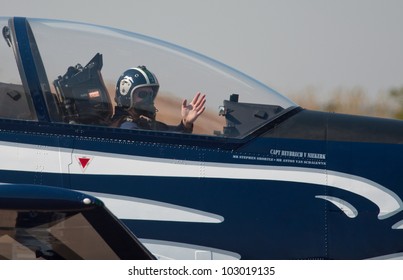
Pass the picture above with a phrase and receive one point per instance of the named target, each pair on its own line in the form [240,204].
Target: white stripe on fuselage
[33,158]
[133,208]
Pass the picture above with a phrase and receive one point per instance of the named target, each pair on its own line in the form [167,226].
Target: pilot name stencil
[289,157]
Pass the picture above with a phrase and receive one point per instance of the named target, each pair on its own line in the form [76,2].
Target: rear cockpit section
[83,96]
[15,99]
[19,35]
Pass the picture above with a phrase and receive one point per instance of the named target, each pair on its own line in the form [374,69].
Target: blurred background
[340,56]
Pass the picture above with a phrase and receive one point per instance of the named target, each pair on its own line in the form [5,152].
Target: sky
[290,45]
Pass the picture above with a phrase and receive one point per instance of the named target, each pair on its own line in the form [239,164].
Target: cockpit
[66,72]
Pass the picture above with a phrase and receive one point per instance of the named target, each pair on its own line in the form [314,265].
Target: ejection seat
[83,95]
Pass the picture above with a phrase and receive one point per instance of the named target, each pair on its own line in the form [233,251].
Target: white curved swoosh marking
[343,205]
[386,200]
[133,208]
[168,250]
[396,256]
[398,225]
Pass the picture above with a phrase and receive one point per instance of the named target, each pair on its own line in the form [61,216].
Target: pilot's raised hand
[190,112]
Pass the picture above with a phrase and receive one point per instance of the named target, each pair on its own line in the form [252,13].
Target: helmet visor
[143,99]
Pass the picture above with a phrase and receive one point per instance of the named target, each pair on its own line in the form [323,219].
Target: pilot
[136,90]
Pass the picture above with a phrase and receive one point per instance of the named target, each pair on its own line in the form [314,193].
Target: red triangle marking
[84,161]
